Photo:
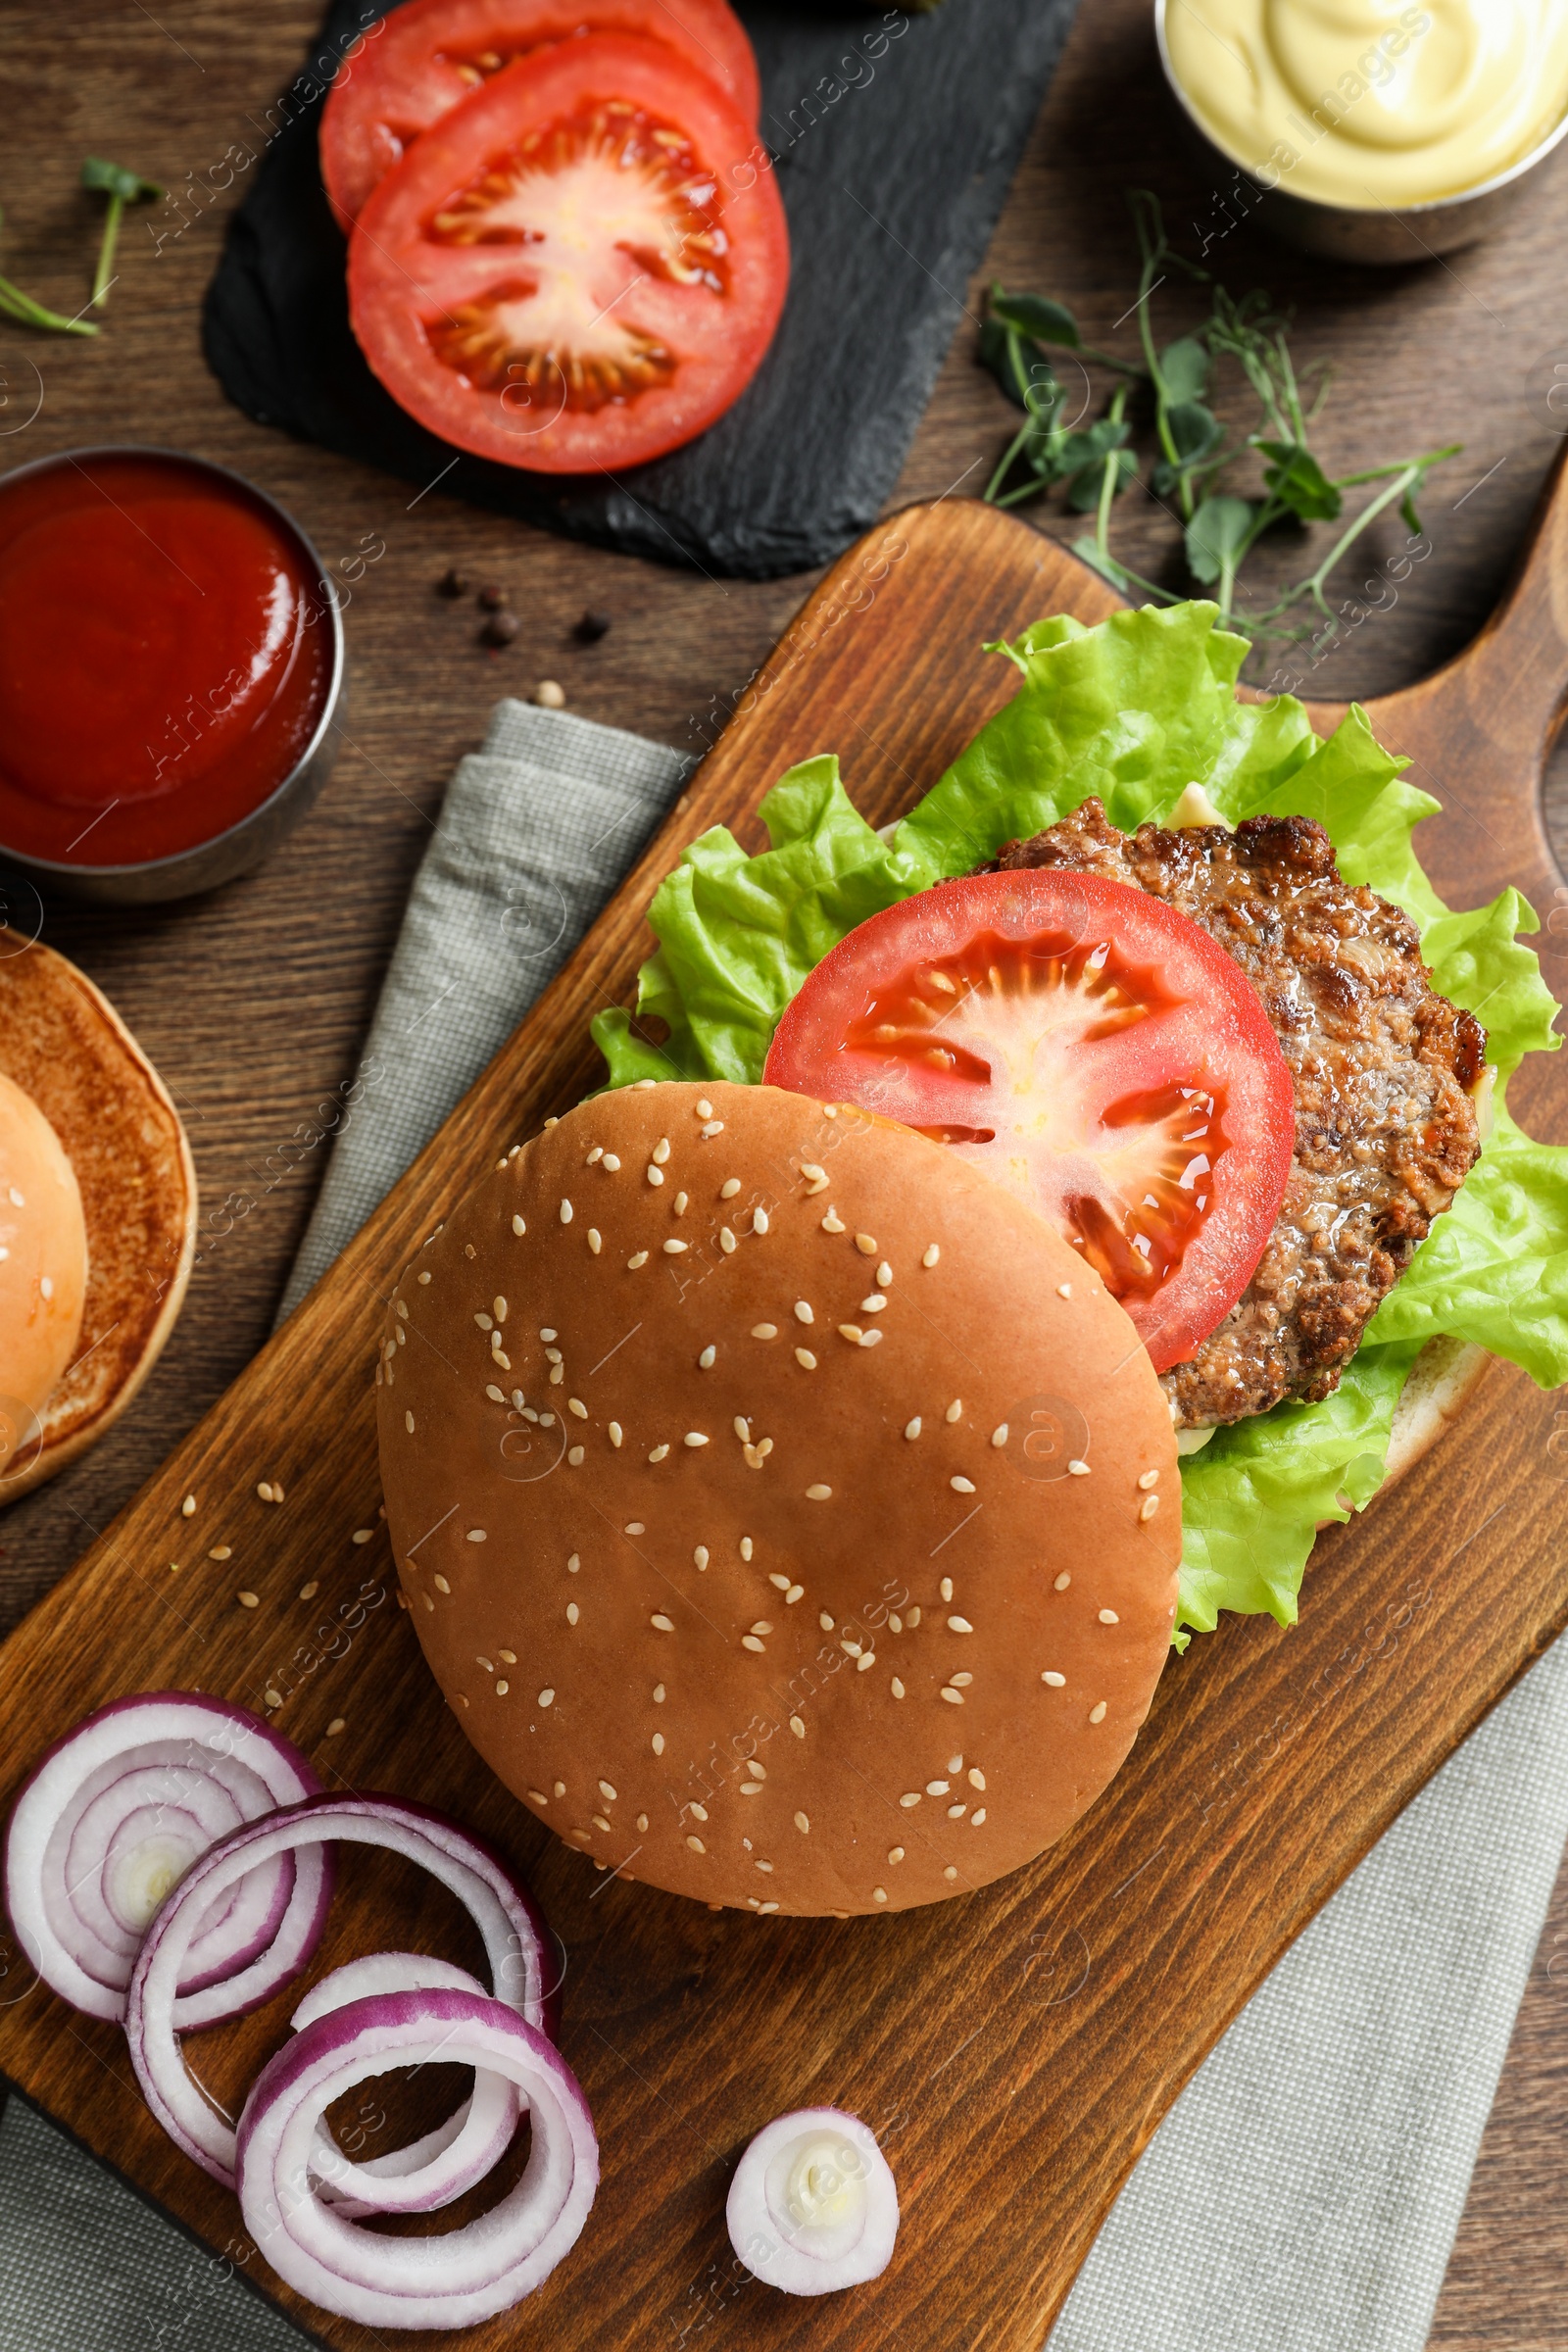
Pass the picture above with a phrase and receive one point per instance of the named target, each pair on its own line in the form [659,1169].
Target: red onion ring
[514,1936]
[813,2206]
[116,1812]
[431,2171]
[451,2281]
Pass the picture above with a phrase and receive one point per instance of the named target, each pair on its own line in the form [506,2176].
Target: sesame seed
[698,1812]
[700,1556]
[572,1612]
[764,1907]
[643,1085]
[547,1698]
[1096,1714]
[704,1362]
[697,1845]
[639,1258]
[595,1244]
[565,1212]
[959,1625]
[874,1304]
[611,1162]
[518,1226]
[999,1435]
[658,1744]
[743,1429]
[187,1509]
[660,1623]
[704,1108]
[498,1308]
[440,1582]
[802,1822]
[654,1175]
[729,1188]
[954,1697]
[879,1895]
[864,1665]
[693,1437]
[765,1331]
[658,1694]
[634,1527]
[661,1151]
[851,1649]
[1148,1506]
[895,1620]
[797,1726]
[957,1812]
[962,1486]
[803,1311]
[477,1534]
[494,1395]
[912,1428]
[826,1622]
[898,1688]
[249,1600]
[834,1223]
[758,1220]
[818,1494]
[946,1588]
[911,1616]
[1062,1581]
[949,1872]
[575,1405]
[793,1595]
[782,1581]
[659,1453]
[812,1173]
[910,1796]
[546,1335]
[853,1333]
[222,1552]
[710,1127]
[1108,1617]
[749,1641]
[676,1249]
[746,1548]
[1150,1478]
[865,1243]
[537,1796]
[955,1412]
[1077,1469]
[429,1603]
[805,1359]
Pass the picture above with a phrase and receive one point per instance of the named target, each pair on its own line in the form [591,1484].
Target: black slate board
[891,188]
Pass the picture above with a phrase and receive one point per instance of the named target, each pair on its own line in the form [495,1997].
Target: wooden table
[254,1002]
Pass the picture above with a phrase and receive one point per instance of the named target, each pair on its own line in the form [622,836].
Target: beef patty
[1382,1068]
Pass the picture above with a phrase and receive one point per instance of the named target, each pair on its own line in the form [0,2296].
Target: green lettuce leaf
[1135,710]
[1254,1498]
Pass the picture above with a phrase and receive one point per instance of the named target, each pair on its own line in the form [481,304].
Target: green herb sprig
[1220,527]
[122,187]
[13,304]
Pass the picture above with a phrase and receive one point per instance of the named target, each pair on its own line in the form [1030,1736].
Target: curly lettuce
[1134,710]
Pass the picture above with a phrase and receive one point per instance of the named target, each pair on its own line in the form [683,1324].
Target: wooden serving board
[1016,2048]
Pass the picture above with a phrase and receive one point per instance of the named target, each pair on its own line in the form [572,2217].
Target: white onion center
[826,2182]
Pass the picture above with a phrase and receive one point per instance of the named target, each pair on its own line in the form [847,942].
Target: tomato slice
[415,66]
[577,268]
[1089,1048]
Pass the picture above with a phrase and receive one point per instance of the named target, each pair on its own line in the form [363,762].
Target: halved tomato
[1089,1048]
[415,66]
[580,268]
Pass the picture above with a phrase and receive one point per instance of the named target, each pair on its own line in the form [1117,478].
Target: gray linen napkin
[1303,2192]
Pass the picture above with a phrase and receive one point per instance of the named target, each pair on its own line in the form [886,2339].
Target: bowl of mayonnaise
[1373,131]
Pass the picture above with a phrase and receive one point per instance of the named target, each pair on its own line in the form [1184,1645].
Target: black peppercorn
[591,627]
[453,582]
[500,628]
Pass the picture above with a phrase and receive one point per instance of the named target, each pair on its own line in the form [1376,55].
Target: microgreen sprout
[1220,527]
[13,304]
[122,187]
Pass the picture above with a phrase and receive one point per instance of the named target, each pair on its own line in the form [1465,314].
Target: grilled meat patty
[1383,1066]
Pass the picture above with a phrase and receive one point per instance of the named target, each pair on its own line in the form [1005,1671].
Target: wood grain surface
[255,1002]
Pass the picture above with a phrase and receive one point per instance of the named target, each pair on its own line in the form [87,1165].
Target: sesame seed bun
[789,1515]
[62,1044]
[43,1251]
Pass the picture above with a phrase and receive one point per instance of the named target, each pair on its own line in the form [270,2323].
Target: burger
[1003,1243]
[97,1214]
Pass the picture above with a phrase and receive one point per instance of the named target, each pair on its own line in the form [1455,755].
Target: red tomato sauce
[165,653]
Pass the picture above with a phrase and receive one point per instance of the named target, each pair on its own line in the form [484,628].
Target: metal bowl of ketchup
[170,673]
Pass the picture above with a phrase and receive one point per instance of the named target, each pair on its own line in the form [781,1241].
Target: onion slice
[813,2206]
[514,1935]
[448,2281]
[430,2171]
[116,1812]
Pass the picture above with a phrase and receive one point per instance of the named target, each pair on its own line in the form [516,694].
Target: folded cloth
[536,831]
[1303,2192]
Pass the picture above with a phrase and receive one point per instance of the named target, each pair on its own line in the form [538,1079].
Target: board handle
[1481,729]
